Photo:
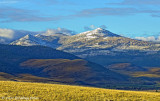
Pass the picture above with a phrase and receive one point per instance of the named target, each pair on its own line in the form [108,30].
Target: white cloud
[158,38]
[91,27]
[6,33]
[9,35]
[59,30]
[150,38]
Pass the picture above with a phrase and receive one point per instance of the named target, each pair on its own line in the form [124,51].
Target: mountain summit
[29,40]
[97,33]
[103,39]
[90,43]
[103,32]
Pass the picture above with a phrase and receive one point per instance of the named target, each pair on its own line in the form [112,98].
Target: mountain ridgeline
[104,58]
[44,64]
[90,40]
[99,46]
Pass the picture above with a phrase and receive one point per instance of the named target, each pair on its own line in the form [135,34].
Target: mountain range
[99,46]
[44,64]
[95,39]
[97,58]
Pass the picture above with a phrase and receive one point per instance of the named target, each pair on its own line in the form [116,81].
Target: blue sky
[131,18]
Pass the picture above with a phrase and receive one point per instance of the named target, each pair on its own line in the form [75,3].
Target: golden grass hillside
[20,91]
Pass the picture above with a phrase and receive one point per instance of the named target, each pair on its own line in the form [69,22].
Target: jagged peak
[51,32]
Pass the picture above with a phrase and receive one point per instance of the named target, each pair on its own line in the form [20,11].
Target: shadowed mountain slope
[50,65]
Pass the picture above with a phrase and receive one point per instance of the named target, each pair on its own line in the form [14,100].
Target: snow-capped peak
[99,29]
[28,40]
[28,36]
[99,32]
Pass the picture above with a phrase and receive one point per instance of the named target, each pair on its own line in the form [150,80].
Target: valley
[87,50]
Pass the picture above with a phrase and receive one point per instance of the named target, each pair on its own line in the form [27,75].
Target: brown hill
[76,71]
[43,64]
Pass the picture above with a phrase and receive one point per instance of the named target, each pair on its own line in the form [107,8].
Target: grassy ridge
[56,92]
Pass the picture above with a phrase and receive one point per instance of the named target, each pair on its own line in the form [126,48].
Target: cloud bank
[150,38]
[9,35]
[24,15]
[114,12]
[59,30]
[92,27]
[138,2]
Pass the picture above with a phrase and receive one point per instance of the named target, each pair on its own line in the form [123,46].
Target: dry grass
[55,92]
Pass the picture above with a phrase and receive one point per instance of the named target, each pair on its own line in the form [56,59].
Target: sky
[130,18]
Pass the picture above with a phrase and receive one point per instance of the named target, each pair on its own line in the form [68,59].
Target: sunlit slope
[56,92]
[75,71]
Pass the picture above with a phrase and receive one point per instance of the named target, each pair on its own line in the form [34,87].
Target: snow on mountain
[95,42]
[97,33]
[29,40]
[49,40]
[102,32]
